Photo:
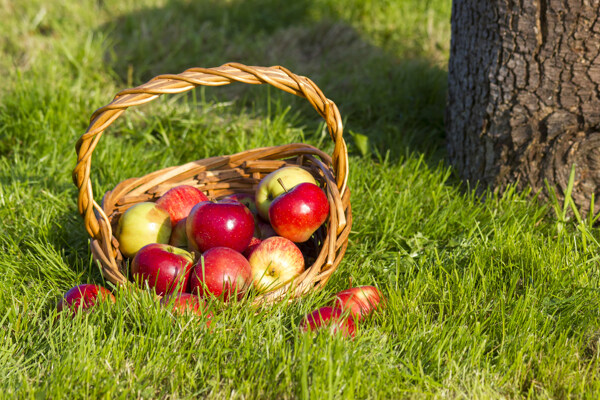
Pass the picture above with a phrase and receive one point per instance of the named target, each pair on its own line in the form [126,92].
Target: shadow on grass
[396,103]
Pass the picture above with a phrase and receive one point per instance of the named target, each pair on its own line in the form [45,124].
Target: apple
[142,224]
[221,272]
[178,201]
[246,199]
[299,212]
[182,303]
[163,267]
[225,223]
[331,318]
[263,229]
[275,261]
[178,235]
[269,187]
[254,242]
[83,297]
[360,301]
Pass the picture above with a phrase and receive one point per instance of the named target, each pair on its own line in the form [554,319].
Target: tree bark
[524,94]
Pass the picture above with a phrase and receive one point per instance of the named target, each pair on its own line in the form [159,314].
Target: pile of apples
[188,249]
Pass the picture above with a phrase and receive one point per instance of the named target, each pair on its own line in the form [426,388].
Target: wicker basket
[221,175]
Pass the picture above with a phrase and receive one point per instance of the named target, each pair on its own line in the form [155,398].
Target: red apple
[275,262]
[83,297]
[221,272]
[359,301]
[182,303]
[226,223]
[178,201]
[299,212]
[178,235]
[253,245]
[331,318]
[142,224]
[163,267]
[246,199]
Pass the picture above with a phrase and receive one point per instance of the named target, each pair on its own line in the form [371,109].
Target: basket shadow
[390,106]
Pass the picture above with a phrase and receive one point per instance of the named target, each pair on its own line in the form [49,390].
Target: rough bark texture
[524,94]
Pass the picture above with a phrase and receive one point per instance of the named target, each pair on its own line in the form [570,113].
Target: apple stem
[282,185]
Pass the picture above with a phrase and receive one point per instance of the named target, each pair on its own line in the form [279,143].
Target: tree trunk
[524,94]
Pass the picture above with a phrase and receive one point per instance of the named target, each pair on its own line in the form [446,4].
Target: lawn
[488,295]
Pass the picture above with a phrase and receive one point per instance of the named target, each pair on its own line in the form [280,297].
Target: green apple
[142,224]
[269,187]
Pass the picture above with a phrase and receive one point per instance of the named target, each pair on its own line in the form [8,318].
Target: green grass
[488,297]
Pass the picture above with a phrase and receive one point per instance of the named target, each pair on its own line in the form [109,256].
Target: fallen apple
[179,201]
[142,224]
[182,303]
[83,297]
[221,272]
[163,267]
[299,212]
[225,223]
[360,301]
[269,187]
[274,262]
[333,319]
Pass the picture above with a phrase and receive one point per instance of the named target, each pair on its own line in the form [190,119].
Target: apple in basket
[246,199]
[163,267]
[275,261]
[269,187]
[83,297]
[178,235]
[142,224]
[179,201]
[225,223]
[333,319]
[299,212]
[360,301]
[221,272]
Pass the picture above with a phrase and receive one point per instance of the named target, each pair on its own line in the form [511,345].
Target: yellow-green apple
[163,267]
[182,303]
[178,201]
[225,223]
[360,301]
[142,224]
[330,318]
[221,272]
[178,235]
[275,262]
[299,212]
[270,187]
[82,297]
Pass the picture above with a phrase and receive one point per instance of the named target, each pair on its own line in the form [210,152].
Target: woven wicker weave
[221,175]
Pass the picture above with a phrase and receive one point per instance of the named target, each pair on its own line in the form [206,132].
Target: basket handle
[277,76]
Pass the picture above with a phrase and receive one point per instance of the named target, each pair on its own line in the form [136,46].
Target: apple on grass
[221,272]
[83,297]
[269,187]
[274,262]
[360,301]
[163,267]
[225,223]
[183,303]
[299,212]
[142,224]
[333,319]
[179,201]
